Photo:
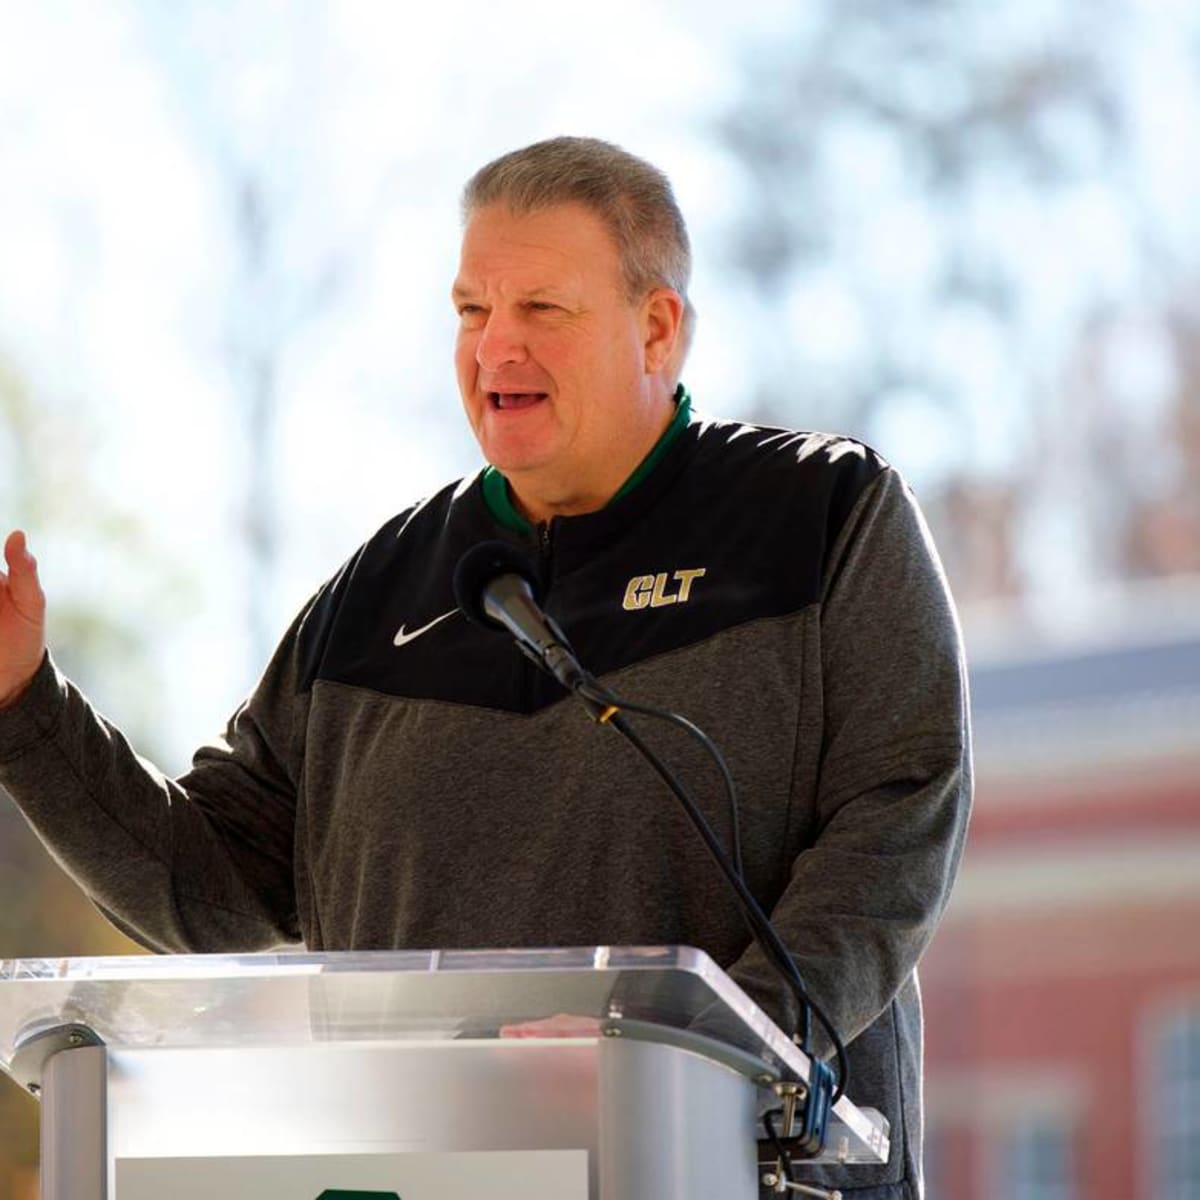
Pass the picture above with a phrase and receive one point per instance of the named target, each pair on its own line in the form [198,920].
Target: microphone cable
[607,700]
[606,707]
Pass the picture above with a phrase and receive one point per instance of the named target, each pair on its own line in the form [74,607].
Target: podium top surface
[302,999]
[664,993]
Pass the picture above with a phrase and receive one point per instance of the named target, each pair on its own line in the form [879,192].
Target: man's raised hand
[22,620]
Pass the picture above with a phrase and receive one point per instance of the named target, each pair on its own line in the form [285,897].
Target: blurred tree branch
[967,183]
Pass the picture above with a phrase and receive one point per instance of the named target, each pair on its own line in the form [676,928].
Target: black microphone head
[483,563]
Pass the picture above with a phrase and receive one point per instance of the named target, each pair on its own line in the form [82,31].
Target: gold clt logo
[650,591]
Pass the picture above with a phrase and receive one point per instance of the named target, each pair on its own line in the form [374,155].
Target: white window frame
[1171,1108]
[1022,1133]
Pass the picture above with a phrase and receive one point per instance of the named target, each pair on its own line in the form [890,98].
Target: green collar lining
[495,487]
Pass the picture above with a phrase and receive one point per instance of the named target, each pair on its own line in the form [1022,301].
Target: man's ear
[662,323]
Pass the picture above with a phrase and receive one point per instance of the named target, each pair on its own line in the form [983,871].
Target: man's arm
[894,786]
[203,863]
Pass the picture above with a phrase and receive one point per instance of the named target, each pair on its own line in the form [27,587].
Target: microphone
[497,586]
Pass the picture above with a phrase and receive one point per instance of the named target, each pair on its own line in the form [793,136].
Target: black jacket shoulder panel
[820,474]
[773,502]
[736,523]
[316,623]
[373,585]
[390,622]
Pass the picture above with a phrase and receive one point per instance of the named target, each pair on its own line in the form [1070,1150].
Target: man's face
[551,355]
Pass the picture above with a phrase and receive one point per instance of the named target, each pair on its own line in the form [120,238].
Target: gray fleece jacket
[402,781]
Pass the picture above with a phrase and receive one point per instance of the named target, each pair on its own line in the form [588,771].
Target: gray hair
[631,197]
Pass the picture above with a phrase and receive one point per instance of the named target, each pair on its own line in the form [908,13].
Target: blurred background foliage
[967,234]
[977,230]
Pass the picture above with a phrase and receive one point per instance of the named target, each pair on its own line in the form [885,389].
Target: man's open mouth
[509,400]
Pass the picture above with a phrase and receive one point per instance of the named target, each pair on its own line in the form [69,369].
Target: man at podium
[401,778]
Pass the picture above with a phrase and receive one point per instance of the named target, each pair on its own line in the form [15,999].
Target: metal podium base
[655,1122]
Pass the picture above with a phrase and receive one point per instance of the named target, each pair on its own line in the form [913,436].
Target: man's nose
[501,341]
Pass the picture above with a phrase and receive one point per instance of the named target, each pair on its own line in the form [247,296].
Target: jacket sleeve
[202,863]
[894,779]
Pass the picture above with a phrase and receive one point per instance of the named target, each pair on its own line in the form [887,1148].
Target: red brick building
[1062,994]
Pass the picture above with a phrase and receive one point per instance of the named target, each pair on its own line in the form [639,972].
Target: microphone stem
[763,930]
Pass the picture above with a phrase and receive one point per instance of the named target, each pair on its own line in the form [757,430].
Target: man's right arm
[197,864]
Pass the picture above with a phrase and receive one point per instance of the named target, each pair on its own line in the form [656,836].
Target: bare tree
[47,485]
[251,107]
[965,182]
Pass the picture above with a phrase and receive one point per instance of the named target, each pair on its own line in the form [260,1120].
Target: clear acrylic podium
[385,1075]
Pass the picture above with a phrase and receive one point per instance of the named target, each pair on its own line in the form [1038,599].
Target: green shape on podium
[335,1194]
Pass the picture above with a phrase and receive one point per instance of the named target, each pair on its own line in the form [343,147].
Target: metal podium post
[66,1067]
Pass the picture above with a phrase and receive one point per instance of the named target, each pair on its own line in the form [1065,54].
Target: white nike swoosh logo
[402,638]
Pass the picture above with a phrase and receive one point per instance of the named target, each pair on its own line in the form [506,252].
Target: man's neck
[539,497]
[499,496]
[538,510]
[543,499]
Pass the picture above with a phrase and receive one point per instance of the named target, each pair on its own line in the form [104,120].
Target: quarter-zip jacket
[777,588]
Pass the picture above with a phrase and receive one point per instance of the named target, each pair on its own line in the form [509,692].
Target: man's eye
[541,306]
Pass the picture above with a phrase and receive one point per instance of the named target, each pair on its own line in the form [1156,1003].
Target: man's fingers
[562,1025]
[16,549]
[23,584]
